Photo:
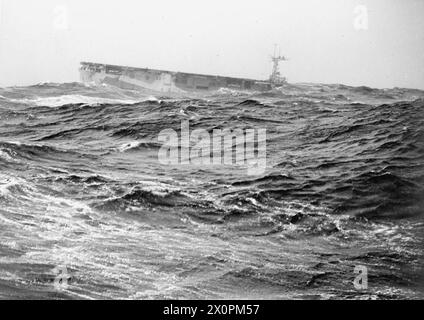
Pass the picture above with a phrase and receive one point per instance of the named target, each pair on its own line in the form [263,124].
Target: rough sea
[88,212]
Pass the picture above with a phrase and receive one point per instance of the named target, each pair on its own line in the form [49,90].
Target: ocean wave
[17,151]
[382,195]
[343,186]
[140,197]
[250,102]
[138,145]
[71,100]
[7,183]
[232,92]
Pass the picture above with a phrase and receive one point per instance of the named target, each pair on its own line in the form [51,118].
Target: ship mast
[276,78]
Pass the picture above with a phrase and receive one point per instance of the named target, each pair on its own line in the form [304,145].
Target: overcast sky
[378,43]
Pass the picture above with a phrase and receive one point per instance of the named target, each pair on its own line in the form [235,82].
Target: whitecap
[5,155]
[72,99]
[129,145]
[6,182]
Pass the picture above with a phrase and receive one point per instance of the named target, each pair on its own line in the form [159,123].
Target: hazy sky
[378,43]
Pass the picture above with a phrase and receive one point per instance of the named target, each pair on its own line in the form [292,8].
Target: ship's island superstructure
[175,82]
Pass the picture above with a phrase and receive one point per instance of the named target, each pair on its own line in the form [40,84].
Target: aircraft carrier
[174,82]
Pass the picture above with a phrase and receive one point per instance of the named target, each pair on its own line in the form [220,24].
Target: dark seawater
[81,187]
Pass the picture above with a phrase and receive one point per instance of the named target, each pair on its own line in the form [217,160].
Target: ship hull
[163,81]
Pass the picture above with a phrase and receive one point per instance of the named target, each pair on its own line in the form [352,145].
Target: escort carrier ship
[174,82]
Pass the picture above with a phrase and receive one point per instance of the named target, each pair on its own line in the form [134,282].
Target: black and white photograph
[183,150]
